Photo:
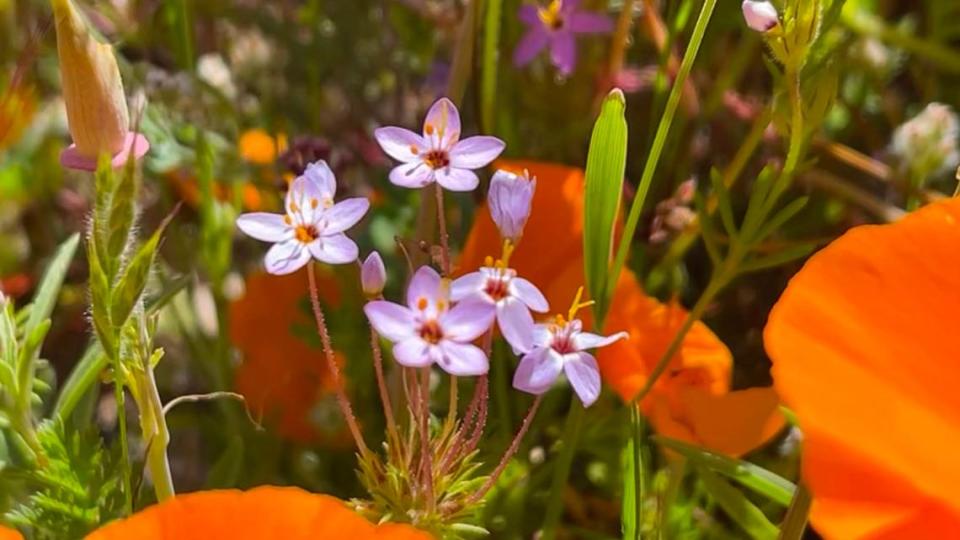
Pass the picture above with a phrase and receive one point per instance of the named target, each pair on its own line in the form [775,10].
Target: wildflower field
[463,269]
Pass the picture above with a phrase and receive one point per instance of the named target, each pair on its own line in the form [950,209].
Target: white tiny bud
[760,16]
[510,199]
[373,275]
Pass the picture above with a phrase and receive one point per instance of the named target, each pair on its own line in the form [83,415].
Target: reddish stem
[514,446]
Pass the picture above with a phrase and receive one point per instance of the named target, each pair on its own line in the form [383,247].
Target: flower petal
[585,22]
[319,175]
[475,152]
[584,341]
[415,174]
[563,52]
[530,294]
[457,179]
[412,352]
[584,376]
[467,285]
[343,215]
[534,41]
[529,14]
[516,324]
[286,257]
[441,127]
[425,285]
[462,359]
[538,370]
[468,320]
[399,143]
[334,249]
[264,226]
[392,321]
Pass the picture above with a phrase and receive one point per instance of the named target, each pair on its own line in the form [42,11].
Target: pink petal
[563,52]
[444,119]
[529,14]
[534,41]
[286,258]
[468,320]
[584,22]
[415,174]
[476,152]
[584,341]
[412,352]
[334,249]
[307,195]
[424,285]
[537,371]
[584,376]
[457,179]
[373,274]
[400,144]
[463,360]
[467,285]
[515,324]
[344,214]
[264,226]
[530,294]
[321,177]
[542,337]
[135,146]
[390,320]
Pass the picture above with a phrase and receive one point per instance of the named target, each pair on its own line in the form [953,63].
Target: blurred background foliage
[237,96]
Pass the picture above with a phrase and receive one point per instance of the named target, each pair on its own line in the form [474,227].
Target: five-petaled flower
[556,27]
[509,198]
[512,297]
[428,330]
[438,155]
[313,225]
[561,346]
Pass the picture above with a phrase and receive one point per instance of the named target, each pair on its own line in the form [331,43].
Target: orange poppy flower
[9,534]
[17,106]
[188,189]
[865,346]
[260,148]
[281,375]
[692,401]
[264,512]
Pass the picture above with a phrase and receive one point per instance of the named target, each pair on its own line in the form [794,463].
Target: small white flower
[760,16]
[510,198]
[373,275]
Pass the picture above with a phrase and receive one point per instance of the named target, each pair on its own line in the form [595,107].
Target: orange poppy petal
[258,147]
[9,534]
[864,343]
[734,423]
[264,512]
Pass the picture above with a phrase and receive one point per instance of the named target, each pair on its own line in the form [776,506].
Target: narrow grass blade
[746,514]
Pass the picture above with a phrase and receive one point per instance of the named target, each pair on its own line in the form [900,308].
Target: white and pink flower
[438,155]
[510,198]
[561,347]
[313,226]
[428,330]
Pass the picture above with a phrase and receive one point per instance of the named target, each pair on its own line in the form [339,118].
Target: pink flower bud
[760,16]
[373,275]
[510,198]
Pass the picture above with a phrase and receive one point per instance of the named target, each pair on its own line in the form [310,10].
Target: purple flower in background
[512,297]
[312,227]
[439,155]
[428,331]
[556,27]
[560,346]
[509,198]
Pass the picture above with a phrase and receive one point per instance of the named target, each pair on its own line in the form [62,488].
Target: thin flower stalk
[393,436]
[508,455]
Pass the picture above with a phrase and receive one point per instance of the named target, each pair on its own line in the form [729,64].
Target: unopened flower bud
[760,16]
[510,198]
[93,92]
[373,275]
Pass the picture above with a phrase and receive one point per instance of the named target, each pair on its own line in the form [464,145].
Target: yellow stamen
[422,303]
[288,220]
[488,261]
[414,150]
[578,305]
[428,129]
[508,249]
[314,203]
[550,15]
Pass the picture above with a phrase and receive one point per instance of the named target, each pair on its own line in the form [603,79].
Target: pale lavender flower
[509,198]
[760,16]
[438,155]
[373,275]
[511,296]
[429,331]
[556,26]
[560,346]
[312,227]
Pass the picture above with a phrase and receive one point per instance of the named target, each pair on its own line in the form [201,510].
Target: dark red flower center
[431,332]
[437,159]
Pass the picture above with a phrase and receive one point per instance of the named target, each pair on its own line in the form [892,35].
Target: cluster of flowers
[441,317]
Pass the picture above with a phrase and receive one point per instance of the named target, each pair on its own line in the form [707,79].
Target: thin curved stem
[444,237]
[508,455]
[392,433]
[426,457]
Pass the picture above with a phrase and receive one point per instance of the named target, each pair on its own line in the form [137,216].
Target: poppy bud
[760,16]
[373,275]
[93,92]
[510,198]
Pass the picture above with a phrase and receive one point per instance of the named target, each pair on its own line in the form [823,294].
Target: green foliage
[746,514]
[77,489]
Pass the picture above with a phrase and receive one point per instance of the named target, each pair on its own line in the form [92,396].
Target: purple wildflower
[510,198]
[556,27]
[438,155]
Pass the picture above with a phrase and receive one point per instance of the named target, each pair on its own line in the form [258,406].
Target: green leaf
[606,164]
[100,299]
[628,514]
[778,259]
[27,363]
[491,56]
[51,283]
[753,477]
[134,278]
[724,204]
[707,231]
[8,335]
[781,218]
[746,514]
[120,219]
